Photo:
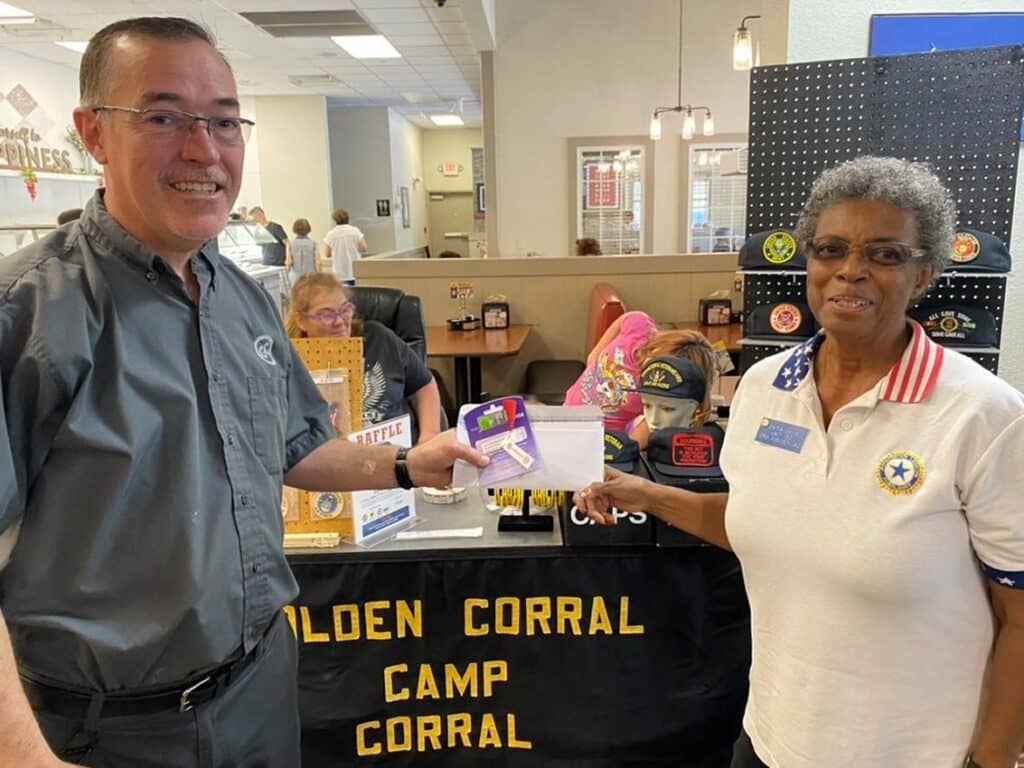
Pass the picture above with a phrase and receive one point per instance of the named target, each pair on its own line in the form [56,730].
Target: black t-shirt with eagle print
[392,373]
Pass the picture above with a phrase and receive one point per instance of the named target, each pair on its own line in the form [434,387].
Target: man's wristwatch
[402,469]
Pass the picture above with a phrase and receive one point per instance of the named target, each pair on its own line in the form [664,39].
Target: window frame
[719,141]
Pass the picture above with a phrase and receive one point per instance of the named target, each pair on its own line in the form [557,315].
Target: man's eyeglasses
[332,315]
[175,124]
[881,254]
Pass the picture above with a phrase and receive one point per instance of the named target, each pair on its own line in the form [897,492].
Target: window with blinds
[718,197]
[610,197]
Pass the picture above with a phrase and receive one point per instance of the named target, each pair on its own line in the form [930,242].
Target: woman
[394,378]
[874,505]
[301,252]
[613,369]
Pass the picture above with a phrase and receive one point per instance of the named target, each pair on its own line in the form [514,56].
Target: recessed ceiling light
[11,14]
[367,46]
[446,120]
[78,46]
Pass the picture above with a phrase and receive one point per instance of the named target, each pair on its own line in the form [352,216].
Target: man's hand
[627,493]
[430,463]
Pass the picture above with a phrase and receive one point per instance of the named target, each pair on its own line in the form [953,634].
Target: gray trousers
[254,722]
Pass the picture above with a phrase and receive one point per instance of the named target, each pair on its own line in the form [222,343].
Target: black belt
[75,704]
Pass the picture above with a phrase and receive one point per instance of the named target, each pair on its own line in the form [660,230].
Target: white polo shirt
[343,240]
[863,548]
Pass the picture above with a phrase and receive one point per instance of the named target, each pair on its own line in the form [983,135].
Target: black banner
[571,659]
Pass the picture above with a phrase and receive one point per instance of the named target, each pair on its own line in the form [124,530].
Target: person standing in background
[301,252]
[273,253]
[343,245]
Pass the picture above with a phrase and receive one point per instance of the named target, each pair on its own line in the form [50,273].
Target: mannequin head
[661,412]
[692,346]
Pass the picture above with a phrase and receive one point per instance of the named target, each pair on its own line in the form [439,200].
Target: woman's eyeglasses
[332,315]
[881,253]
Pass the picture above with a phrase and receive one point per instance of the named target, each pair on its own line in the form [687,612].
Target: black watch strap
[402,469]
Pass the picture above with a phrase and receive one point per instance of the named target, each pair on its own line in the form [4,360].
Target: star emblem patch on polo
[900,473]
[264,346]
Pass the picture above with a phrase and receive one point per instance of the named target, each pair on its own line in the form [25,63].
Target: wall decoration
[602,188]
[403,194]
[480,207]
[383,207]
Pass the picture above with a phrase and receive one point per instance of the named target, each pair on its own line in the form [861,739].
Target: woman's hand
[627,493]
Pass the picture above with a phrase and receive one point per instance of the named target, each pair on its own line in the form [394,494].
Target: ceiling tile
[448,13]
[459,40]
[397,16]
[405,30]
[451,27]
[414,41]
[373,4]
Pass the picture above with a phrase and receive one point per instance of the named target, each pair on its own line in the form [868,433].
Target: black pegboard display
[957,110]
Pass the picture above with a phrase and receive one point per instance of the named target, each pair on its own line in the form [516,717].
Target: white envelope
[570,440]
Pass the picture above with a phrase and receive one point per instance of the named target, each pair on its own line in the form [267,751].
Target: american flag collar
[911,380]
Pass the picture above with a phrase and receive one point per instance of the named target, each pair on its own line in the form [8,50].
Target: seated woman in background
[588,246]
[613,369]
[395,380]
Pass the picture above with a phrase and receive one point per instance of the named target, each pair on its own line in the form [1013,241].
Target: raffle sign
[375,514]
[555,659]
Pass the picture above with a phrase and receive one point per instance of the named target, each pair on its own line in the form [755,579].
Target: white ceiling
[439,68]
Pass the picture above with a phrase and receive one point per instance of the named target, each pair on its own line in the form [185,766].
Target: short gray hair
[909,186]
[94,73]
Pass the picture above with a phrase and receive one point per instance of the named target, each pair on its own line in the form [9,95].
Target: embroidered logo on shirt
[264,346]
[900,473]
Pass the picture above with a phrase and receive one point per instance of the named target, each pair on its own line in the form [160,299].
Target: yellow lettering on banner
[471,629]
[362,748]
[427,687]
[506,625]
[341,634]
[390,693]
[460,724]
[599,620]
[428,727]
[308,635]
[494,672]
[410,620]
[513,742]
[289,613]
[625,628]
[396,742]
[457,683]
[374,622]
[489,736]
[538,611]
[570,614]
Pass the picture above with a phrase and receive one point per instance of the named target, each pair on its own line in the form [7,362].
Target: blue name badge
[779,434]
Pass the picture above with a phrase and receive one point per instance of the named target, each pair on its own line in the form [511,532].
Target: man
[273,253]
[343,245]
[152,407]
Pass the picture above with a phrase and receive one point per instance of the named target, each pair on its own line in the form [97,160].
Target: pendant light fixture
[743,46]
[689,121]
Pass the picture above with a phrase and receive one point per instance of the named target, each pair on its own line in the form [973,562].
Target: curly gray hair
[912,187]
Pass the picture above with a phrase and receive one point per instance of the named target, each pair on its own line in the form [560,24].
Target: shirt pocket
[268,412]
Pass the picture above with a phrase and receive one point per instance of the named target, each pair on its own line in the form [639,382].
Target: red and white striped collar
[913,378]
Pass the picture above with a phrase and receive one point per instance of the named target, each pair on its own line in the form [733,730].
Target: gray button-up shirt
[143,438]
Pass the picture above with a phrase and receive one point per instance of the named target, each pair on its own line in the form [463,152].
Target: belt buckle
[185,702]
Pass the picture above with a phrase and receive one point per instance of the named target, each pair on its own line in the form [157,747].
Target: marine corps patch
[900,473]
[778,248]
[785,318]
[966,248]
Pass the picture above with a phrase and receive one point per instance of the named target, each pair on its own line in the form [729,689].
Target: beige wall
[552,295]
[406,166]
[449,144]
[294,165]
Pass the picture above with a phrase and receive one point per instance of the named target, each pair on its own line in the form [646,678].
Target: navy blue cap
[621,452]
[957,325]
[774,249]
[672,377]
[977,251]
[686,452]
[785,318]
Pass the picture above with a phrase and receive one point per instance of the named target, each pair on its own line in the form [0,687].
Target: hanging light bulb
[702,158]
[689,124]
[757,54]
[742,55]
[617,166]
[655,128]
[709,125]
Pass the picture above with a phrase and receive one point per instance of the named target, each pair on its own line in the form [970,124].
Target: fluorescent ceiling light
[74,45]
[367,46]
[11,14]
[446,120]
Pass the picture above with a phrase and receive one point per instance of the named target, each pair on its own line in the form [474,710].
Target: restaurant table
[467,348]
[512,649]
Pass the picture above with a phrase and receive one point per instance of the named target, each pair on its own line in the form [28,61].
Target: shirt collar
[911,379]
[99,226]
